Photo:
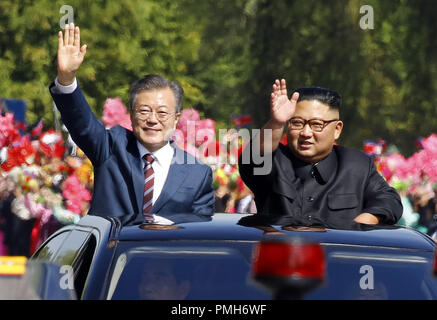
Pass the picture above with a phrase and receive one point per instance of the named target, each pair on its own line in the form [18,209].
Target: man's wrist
[60,88]
[66,80]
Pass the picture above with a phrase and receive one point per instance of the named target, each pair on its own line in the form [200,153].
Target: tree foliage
[386,75]
[226,54]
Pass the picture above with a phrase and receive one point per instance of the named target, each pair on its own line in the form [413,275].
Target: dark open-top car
[233,256]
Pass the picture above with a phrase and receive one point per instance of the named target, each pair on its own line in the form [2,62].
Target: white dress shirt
[161,165]
[65,89]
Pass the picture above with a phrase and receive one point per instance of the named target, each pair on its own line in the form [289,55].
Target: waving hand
[282,108]
[70,54]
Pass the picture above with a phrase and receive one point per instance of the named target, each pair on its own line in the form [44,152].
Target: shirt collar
[322,169]
[163,155]
[301,168]
[327,166]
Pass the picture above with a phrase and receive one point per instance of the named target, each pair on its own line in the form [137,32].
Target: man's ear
[177,117]
[338,129]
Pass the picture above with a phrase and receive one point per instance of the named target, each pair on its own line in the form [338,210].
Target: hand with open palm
[282,108]
[70,54]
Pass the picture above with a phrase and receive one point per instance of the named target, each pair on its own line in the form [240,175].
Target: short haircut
[323,95]
[153,82]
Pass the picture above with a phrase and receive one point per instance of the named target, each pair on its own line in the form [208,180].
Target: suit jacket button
[310,199]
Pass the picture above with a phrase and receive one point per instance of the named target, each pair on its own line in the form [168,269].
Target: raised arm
[70,54]
[86,130]
[281,110]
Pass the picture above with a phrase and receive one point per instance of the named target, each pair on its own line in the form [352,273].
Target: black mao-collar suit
[330,193]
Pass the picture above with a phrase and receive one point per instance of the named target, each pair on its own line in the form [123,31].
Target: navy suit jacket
[118,168]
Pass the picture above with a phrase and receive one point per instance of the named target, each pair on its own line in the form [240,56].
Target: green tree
[203,45]
[401,61]
[223,64]
[307,43]
[126,39]
[386,75]
[226,54]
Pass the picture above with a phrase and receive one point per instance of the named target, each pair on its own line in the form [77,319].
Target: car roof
[228,227]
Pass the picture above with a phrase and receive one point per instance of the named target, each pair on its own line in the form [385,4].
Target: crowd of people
[44,185]
[415,179]
[46,182]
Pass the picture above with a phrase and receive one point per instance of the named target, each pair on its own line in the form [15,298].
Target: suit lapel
[176,176]
[136,172]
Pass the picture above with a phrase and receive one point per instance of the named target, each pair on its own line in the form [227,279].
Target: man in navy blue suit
[181,183]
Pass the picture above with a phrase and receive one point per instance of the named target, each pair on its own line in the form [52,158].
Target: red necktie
[149,177]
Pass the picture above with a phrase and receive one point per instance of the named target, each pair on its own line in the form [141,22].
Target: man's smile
[305,144]
[152,130]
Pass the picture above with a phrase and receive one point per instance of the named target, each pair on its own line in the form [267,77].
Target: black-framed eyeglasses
[316,125]
[145,113]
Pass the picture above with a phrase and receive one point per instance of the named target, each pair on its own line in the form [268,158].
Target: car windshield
[190,273]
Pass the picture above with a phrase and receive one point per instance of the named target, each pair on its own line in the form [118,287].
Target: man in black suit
[313,181]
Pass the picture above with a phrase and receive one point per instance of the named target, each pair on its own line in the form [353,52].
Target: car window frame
[49,240]
[84,253]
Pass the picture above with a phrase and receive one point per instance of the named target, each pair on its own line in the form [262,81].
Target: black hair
[323,95]
[154,81]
